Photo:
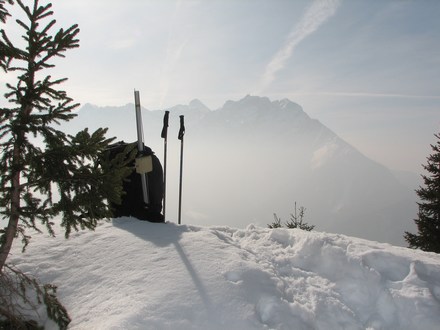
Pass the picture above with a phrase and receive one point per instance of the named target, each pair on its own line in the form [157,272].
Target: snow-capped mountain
[255,157]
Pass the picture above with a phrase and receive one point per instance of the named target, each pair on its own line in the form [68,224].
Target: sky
[369,70]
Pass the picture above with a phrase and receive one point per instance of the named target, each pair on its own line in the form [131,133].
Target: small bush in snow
[296,220]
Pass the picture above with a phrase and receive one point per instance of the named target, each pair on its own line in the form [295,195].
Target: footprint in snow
[234,277]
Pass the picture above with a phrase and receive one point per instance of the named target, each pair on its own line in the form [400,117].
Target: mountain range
[255,157]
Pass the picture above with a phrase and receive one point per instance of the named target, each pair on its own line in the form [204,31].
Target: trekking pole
[140,136]
[180,137]
[164,135]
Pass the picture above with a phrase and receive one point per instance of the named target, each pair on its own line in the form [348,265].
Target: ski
[140,145]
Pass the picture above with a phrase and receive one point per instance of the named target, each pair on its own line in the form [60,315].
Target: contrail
[316,15]
[173,53]
[369,94]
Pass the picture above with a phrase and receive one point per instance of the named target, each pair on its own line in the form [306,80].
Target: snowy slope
[130,274]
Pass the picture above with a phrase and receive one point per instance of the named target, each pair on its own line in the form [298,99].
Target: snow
[130,274]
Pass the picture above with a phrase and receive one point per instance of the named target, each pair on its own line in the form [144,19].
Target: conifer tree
[76,166]
[297,220]
[3,11]
[276,222]
[428,220]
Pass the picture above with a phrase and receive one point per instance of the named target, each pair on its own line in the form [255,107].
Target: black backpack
[132,201]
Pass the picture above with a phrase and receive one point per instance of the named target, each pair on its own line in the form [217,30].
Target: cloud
[177,41]
[366,94]
[324,154]
[316,15]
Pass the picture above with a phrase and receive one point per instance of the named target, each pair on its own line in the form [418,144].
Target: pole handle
[182,128]
[165,125]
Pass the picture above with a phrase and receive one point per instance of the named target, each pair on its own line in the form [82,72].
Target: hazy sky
[369,70]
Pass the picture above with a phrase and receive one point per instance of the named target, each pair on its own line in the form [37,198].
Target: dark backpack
[132,201]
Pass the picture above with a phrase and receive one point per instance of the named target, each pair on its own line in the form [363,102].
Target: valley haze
[255,157]
[367,69]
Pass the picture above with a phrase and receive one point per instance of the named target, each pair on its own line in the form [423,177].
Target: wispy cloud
[382,95]
[316,15]
[176,44]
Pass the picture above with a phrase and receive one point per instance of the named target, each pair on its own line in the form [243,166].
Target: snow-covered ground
[130,274]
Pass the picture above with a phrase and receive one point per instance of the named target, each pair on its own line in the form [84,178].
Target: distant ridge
[254,157]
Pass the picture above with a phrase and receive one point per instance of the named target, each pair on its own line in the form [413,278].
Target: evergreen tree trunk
[11,229]
[17,158]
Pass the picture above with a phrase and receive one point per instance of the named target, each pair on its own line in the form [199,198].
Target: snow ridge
[130,274]
[316,276]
